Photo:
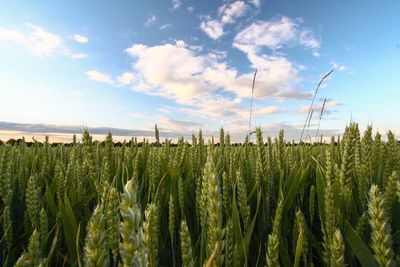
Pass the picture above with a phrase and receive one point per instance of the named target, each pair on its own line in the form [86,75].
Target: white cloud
[79,56]
[176,71]
[126,78]
[170,70]
[196,47]
[176,4]
[99,76]
[272,34]
[256,3]
[267,110]
[216,111]
[341,67]
[213,28]
[165,26]
[151,20]
[316,54]
[275,34]
[180,43]
[80,38]
[190,9]
[318,107]
[168,124]
[308,40]
[277,75]
[230,12]
[40,42]
[205,87]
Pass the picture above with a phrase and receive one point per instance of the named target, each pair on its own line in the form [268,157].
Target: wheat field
[196,203]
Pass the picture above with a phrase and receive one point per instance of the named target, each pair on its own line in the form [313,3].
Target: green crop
[267,203]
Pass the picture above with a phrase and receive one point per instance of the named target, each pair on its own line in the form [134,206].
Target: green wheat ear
[300,230]
[112,219]
[150,227]
[33,256]
[329,222]
[33,200]
[381,240]
[171,216]
[131,249]
[95,250]
[213,211]
[389,194]
[7,227]
[229,244]
[337,250]
[186,246]
[273,238]
[242,199]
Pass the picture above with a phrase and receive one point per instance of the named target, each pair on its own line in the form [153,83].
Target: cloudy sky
[187,65]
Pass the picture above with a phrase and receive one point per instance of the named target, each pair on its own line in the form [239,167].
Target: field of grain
[271,203]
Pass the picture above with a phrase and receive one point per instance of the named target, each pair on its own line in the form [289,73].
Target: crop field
[195,203]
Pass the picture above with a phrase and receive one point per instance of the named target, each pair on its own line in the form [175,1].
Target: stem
[251,103]
[312,103]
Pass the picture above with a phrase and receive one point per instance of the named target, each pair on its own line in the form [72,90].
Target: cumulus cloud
[228,13]
[176,4]
[80,38]
[275,34]
[126,78]
[40,42]
[176,71]
[99,76]
[205,84]
[256,3]
[213,28]
[277,75]
[169,70]
[180,43]
[308,40]
[272,34]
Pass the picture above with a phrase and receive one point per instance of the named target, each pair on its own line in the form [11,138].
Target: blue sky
[187,65]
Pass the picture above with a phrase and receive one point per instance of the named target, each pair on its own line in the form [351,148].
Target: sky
[189,65]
